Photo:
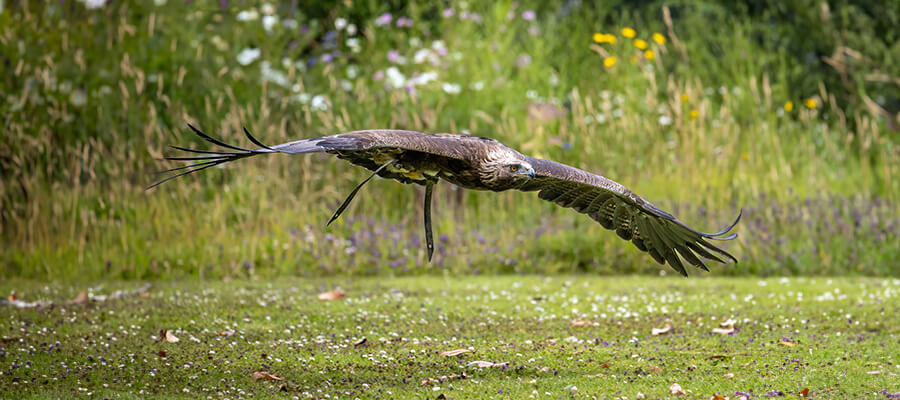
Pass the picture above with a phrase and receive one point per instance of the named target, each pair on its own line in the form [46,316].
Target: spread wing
[355,146]
[615,207]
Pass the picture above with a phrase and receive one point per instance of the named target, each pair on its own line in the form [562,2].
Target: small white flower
[159,2]
[421,56]
[600,118]
[219,43]
[289,23]
[451,88]
[423,79]
[477,85]
[531,94]
[94,4]
[268,9]
[395,78]
[346,85]
[415,42]
[340,23]
[438,44]
[248,15]
[78,98]
[352,42]
[351,29]
[319,102]
[665,120]
[295,88]
[269,22]
[554,80]
[303,98]
[248,56]
[352,71]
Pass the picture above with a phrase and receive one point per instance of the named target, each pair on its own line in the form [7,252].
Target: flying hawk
[480,163]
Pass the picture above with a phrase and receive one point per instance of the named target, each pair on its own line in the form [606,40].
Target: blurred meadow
[788,110]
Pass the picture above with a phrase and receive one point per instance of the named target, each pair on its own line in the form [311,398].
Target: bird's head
[519,170]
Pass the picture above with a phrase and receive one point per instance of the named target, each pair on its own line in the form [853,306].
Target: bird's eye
[513,168]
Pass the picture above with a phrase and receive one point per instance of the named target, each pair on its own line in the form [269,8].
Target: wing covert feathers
[650,229]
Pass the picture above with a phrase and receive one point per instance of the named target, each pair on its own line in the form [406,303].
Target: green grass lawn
[836,336]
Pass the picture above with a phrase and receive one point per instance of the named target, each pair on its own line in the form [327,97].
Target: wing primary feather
[216,141]
[201,151]
[253,139]
[713,235]
[200,164]
[703,252]
[711,246]
[183,173]
[196,158]
[665,248]
[352,194]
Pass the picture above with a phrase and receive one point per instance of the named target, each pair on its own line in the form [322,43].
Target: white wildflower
[340,23]
[415,42]
[421,56]
[423,79]
[248,15]
[319,102]
[346,85]
[351,29]
[269,22]
[247,56]
[289,23]
[273,75]
[352,71]
[78,98]
[665,120]
[94,4]
[219,43]
[395,78]
[159,2]
[451,88]
[531,94]
[268,9]
[477,85]
[303,98]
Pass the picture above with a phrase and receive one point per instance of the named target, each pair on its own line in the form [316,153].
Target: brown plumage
[481,163]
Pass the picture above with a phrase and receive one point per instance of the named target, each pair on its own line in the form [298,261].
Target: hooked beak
[530,173]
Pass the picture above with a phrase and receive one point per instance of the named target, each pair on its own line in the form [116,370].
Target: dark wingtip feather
[253,139]
[216,141]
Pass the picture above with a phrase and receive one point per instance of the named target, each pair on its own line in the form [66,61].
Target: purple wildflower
[393,56]
[404,22]
[378,76]
[447,13]
[528,15]
[383,19]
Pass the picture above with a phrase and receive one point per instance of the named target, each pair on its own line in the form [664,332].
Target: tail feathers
[210,158]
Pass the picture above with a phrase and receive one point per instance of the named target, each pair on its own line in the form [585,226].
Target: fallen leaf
[874,372]
[803,393]
[604,366]
[729,322]
[552,341]
[226,333]
[457,352]
[598,375]
[676,389]
[533,381]
[724,331]
[485,364]
[258,375]
[161,354]
[656,369]
[580,323]
[13,296]
[359,343]
[81,298]
[729,375]
[717,357]
[718,397]
[335,294]
[440,379]
[661,331]
[166,336]
[787,343]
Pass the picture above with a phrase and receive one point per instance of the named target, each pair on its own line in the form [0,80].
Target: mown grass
[836,336]
[703,128]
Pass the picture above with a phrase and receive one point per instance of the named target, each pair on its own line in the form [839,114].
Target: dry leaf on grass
[360,343]
[661,331]
[729,375]
[81,298]
[787,343]
[166,336]
[676,389]
[260,375]
[335,294]
[456,353]
[718,397]
[604,365]
[485,364]
[656,368]
[594,375]
[874,372]
[803,393]
[580,323]
[226,333]
[724,331]
[13,297]
[440,379]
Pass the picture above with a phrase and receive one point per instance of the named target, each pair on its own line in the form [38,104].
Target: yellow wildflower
[745,156]
[789,106]
[695,113]
[810,103]
[610,38]
[684,98]
[640,44]
[604,38]
[599,37]
[659,38]
[649,54]
[609,61]
[628,32]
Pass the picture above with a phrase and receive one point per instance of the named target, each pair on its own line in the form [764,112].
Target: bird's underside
[485,164]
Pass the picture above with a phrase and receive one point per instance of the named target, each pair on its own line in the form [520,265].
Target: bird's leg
[352,194]
[429,240]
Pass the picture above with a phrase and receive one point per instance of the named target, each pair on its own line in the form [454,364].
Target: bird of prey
[480,163]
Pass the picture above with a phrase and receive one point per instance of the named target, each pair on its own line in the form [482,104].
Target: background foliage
[787,109]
